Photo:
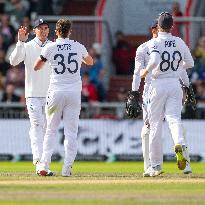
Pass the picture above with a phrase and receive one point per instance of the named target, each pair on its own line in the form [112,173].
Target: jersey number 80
[166,59]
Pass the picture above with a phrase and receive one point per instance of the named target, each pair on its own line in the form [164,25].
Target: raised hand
[23,34]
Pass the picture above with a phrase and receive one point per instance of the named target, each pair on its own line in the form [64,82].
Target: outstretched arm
[19,53]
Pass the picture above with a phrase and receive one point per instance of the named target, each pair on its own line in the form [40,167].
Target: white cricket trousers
[36,111]
[146,128]
[165,101]
[66,104]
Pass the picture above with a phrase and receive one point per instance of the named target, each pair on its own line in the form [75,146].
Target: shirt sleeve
[184,77]
[84,52]
[188,60]
[45,53]
[139,64]
[18,55]
[154,52]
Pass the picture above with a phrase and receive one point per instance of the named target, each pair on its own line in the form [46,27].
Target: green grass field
[101,183]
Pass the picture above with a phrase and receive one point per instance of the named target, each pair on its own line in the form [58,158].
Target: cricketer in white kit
[141,61]
[65,57]
[36,84]
[168,56]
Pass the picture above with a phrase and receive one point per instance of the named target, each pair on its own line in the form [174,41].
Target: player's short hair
[63,26]
[165,20]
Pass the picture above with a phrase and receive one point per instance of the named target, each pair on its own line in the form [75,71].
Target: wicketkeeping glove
[190,97]
[133,105]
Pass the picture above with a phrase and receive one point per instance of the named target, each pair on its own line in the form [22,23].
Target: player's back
[172,53]
[65,57]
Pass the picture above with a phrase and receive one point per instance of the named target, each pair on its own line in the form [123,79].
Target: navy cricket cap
[154,24]
[39,22]
[165,20]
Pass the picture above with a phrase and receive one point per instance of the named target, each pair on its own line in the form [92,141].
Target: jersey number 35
[62,68]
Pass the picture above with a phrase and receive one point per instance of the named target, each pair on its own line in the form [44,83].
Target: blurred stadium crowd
[14,13]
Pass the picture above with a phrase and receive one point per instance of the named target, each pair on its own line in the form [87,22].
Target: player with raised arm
[36,84]
[168,56]
[65,57]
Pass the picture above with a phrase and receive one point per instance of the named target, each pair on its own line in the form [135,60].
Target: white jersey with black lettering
[141,61]
[65,57]
[168,55]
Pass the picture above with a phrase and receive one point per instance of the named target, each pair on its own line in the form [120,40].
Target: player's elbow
[88,60]
[37,66]
[189,64]
[192,64]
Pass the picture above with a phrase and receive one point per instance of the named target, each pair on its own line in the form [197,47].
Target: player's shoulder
[153,43]
[50,44]
[178,39]
[77,43]
[142,47]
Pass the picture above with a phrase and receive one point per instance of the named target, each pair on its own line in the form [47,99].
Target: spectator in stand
[96,71]
[11,48]
[6,29]
[198,72]
[177,27]
[45,7]
[4,66]
[17,9]
[16,76]
[33,7]
[121,55]
[89,91]
[9,95]
[199,51]
[57,6]
[122,94]
[27,23]
[2,43]
[2,5]
[200,91]
[2,82]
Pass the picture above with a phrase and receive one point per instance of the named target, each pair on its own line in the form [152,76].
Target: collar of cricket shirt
[37,41]
[62,39]
[164,34]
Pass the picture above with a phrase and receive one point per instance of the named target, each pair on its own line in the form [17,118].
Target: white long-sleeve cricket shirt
[36,83]
[168,55]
